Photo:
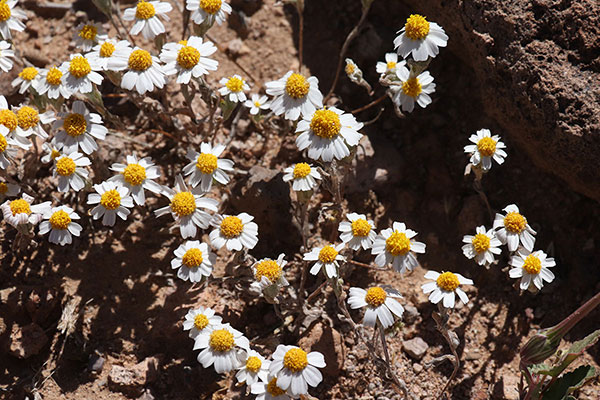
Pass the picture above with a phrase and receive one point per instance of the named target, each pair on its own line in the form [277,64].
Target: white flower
[51,150]
[357,233]
[254,367]
[234,88]
[144,71]
[328,133]
[52,82]
[7,117]
[188,58]
[482,246]
[485,148]
[78,129]
[6,53]
[208,10]
[294,369]
[380,303]
[295,95]
[257,103]
[146,15]
[7,153]
[21,211]
[113,200]
[60,225]
[513,228]
[108,49]
[269,273]
[391,64]
[79,74]
[87,35]
[220,345]
[413,89]
[352,71]
[8,190]
[10,18]
[303,175]
[532,268]
[29,121]
[421,38]
[68,168]
[234,232]
[445,286]
[27,77]
[185,208]
[206,165]
[193,261]
[326,258]
[396,245]
[268,390]
[199,319]
[136,176]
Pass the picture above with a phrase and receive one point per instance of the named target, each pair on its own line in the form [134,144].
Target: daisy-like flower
[7,117]
[396,246]
[328,133]
[486,148]
[391,64]
[10,18]
[60,225]
[294,369]
[8,190]
[27,78]
[104,51]
[208,10]
[87,35]
[6,53]
[193,261]
[326,258]
[421,38]
[352,71]
[220,345]
[112,199]
[136,176]
[234,232]
[21,211]
[513,228]
[206,166]
[268,390]
[78,129]
[7,153]
[146,15]
[29,121]
[532,268]
[70,171]
[144,71]
[482,246]
[199,319]
[254,367]
[79,74]
[413,89]
[51,83]
[185,208]
[295,95]
[188,58]
[234,88]
[269,273]
[303,176]
[445,286]
[257,103]
[51,151]
[359,232]
[380,302]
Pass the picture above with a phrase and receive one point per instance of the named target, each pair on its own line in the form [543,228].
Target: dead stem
[371,104]
[441,321]
[479,189]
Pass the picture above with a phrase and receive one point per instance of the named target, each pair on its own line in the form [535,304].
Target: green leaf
[570,355]
[568,383]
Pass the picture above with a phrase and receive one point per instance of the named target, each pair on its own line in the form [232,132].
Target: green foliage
[568,383]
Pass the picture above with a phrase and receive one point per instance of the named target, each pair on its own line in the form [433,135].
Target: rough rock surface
[131,380]
[27,341]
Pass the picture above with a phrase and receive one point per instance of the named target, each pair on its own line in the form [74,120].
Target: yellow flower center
[231,227]
[188,57]
[3,188]
[297,86]
[210,6]
[134,174]
[19,206]
[481,242]
[192,258]
[54,153]
[65,166]
[79,67]
[350,69]
[28,73]
[235,84]
[448,281]
[327,254]
[515,222]
[8,119]
[139,60]
[200,321]
[273,389]
[107,49]
[75,124]
[257,104]
[360,227]
[253,364]
[375,296]
[88,32]
[54,76]
[221,340]
[144,10]
[301,170]
[397,244]
[417,27]
[4,11]
[268,268]
[532,265]
[326,124]
[27,117]
[183,204]
[111,199]
[295,360]
[3,143]
[206,163]
[486,146]
[391,65]
[411,87]
[183,42]
[60,220]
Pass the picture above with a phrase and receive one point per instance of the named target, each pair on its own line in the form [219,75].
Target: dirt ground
[130,306]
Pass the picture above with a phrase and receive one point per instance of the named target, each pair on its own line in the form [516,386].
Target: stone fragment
[27,341]
[415,347]
[131,380]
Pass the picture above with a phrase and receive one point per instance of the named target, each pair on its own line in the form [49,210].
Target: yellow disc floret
[3,188]
[375,296]
[350,68]
[139,60]
[221,340]
[327,254]
[210,6]
[75,124]
[253,364]
[28,73]
[481,243]
[301,170]
[144,10]
[486,146]
[54,154]
[107,49]
[188,57]
[411,87]
[360,227]
[19,206]
[235,84]
[183,204]
[192,258]
[326,124]
[532,265]
[5,12]
[416,27]
[231,227]
[65,166]
[391,64]
[60,220]
[200,321]
[448,281]
[134,174]
[54,76]
[397,244]
[295,359]
[515,222]
[8,119]
[206,163]
[183,42]
[273,389]
[79,67]
[27,117]
[297,86]
[268,268]
[88,32]
[111,199]
[3,143]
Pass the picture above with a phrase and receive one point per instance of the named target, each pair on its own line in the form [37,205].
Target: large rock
[132,379]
